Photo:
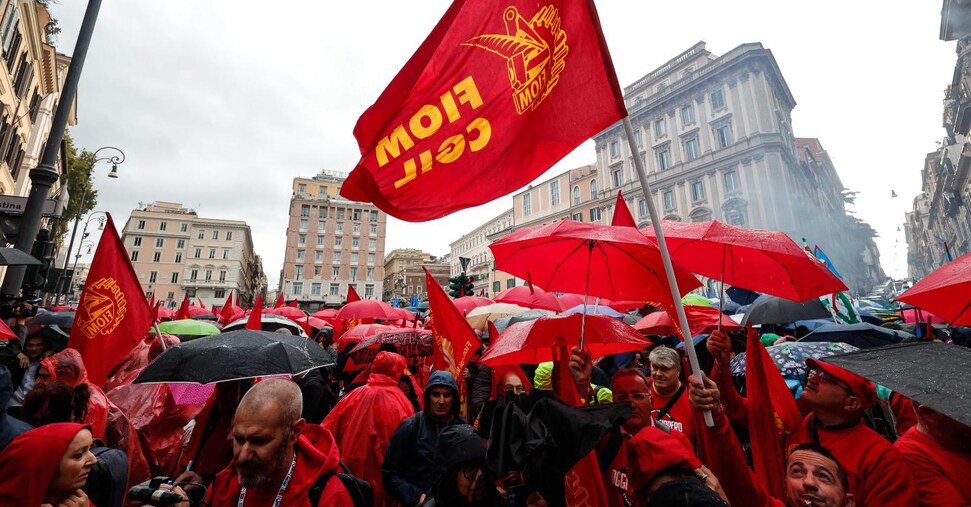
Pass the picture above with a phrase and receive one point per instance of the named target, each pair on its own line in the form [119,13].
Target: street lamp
[77,256]
[115,160]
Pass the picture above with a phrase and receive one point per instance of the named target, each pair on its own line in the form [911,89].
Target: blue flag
[818,252]
[414,300]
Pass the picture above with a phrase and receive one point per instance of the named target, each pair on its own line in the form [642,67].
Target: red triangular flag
[493,98]
[279,301]
[226,313]
[201,304]
[622,216]
[352,294]
[293,304]
[183,312]
[455,341]
[155,308]
[772,414]
[151,302]
[113,313]
[255,321]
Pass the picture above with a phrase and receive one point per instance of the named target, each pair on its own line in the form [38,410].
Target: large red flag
[497,94]
[772,415]
[352,294]
[183,312]
[226,312]
[279,301]
[113,313]
[255,321]
[455,341]
[622,214]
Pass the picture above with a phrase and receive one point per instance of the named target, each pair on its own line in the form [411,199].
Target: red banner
[113,313]
[255,320]
[497,94]
[352,294]
[226,312]
[455,341]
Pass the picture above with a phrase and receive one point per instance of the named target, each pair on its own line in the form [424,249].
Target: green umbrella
[423,305]
[188,327]
[695,299]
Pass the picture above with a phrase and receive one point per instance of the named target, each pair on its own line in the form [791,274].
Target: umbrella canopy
[187,327]
[930,373]
[206,316]
[401,313]
[480,317]
[268,322]
[366,309]
[861,336]
[327,313]
[423,306]
[294,314]
[504,322]
[590,259]
[701,320]
[407,342]
[197,311]
[764,261]
[790,357]
[776,310]
[235,355]
[945,292]
[742,296]
[532,342]
[912,315]
[55,336]
[14,257]
[465,304]
[569,300]
[529,297]
[361,332]
[165,313]
[63,320]
[593,310]
[695,300]
[625,305]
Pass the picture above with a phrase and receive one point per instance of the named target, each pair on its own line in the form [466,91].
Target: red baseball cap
[862,388]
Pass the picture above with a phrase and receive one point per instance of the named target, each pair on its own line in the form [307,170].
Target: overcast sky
[220,104]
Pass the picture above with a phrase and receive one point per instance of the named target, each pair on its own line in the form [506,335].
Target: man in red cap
[938,450]
[877,472]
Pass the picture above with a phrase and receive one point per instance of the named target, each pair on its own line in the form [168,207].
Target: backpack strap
[670,404]
[317,489]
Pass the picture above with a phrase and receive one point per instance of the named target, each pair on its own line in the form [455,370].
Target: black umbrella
[931,373]
[235,355]
[776,310]
[742,296]
[64,320]
[14,257]
[55,336]
[861,336]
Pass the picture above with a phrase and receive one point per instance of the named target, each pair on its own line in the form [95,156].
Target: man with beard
[277,457]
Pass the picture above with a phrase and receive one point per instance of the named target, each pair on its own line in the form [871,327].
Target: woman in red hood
[47,466]
[363,421]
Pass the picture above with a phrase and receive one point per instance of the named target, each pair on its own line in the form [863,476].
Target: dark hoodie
[10,427]
[408,469]
[459,445]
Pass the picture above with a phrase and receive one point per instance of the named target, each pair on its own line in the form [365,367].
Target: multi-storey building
[481,265]
[177,253]
[404,276]
[331,243]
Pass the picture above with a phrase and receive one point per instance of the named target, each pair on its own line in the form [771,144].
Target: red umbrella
[590,259]
[532,342]
[166,313]
[327,313]
[406,341]
[625,306]
[366,309]
[294,314]
[5,332]
[529,297]
[912,315]
[402,314]
[763,261]
[701,319]
[569,300]
[945,292]
[361,332]
[465,304]
[196,311]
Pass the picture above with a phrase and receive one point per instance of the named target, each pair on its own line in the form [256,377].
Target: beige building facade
[475,247]
[404,276]
[332,243]
[177,253]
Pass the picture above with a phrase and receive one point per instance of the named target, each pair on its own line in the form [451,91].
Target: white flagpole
[689,345]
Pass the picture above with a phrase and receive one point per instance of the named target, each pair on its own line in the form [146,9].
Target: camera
[149,492]
[24,306]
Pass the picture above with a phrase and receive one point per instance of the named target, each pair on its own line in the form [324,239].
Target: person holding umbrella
[938,450]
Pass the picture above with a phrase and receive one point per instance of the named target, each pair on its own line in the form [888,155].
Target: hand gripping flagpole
[666,258]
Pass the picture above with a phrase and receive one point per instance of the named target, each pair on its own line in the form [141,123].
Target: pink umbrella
[912,315]
[465,304]
[294,314]
[366,309]
[529,297]
[326,313]
[701,319]
[569,300]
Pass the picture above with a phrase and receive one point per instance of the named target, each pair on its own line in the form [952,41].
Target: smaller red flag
[293,304]
[255,321]
[622,216]
[201,304]
[226,313]
[455,341]
[279,302]
[183,312]
[151,302]
[352,294]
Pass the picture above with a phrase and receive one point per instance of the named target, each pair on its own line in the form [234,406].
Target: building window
[554,193]
[178,258]
[338,242]
[212,253]
[138,241]
[660,128]
[317,271]
[496,287]
[724,135]
[731,181]
[175,277]
[157,257]
[321,227]
[594,214]
[194,275]
[198,252]
[642,207]
[735,216]
[219,293]
[374,229]
[339,229]
[353,273]
[299,255]
[319,256]
[215,234]
[717,100]
[229,235]
[356,228]
[222,275]
[340,213]
[372,244]
[159,242]
[302,239]
[301,188]
[577,217]
[614,149]
[691,148]
[297,288]
[315,289]
[374,216]
[668,200]
[180,244]
[576,196]
[510,283]
[356,215]
[687,115]
[617,176]
[335,272]
[225,253]
[322,212]
[152,276]
[354,258]
[527,205]
[202,234]
[134,256]
[141,225]
[697,191]
[303,224]
[208,275]
[305,210]
[638,137]
[368,290]
[593,189]
[663,159]
[370,274]
[370,258]
[335,289]
[183,227]
[171,296]
[162,225]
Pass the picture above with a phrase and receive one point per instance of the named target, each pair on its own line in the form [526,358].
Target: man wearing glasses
[837,399]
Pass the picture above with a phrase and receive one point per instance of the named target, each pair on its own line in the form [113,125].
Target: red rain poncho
[132,364]
[30,461]
[363,421]
[107,421]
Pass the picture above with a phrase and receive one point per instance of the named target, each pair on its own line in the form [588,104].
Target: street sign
[15,205]
[464,261]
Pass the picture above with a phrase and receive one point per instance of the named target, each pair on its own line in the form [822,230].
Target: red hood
[387,366]
[31,459]
[66,366]
[318,447]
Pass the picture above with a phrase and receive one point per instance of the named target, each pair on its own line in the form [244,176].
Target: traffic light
[455,286]
[469,286]
[43,250]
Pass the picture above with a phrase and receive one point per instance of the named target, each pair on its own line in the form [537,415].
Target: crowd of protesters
[397,433]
